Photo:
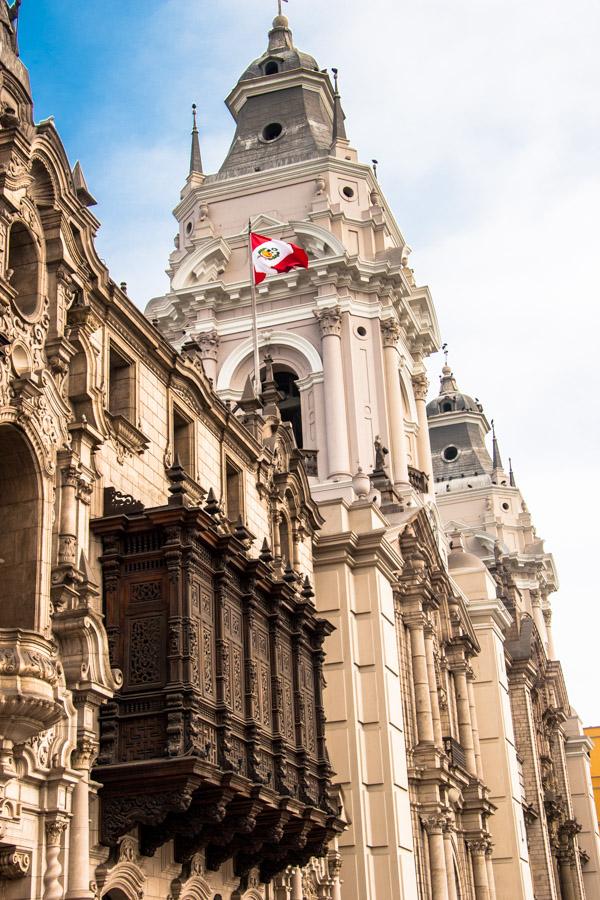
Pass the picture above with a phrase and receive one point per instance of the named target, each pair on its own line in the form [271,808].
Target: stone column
[336,420]
[335,869]
[208,343]
[452,892]
[79,834]
[480,878]
[281,887]
[390,334]
[548,620]
[420,387]
[55,827]
[490,871]
[434,826]
[538,616]
[297,892]
[463,710]
[566,877]
[67,541]
[416,623]
[433,689]
[474,725]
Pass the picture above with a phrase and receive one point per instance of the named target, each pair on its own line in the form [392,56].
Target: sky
[485,118]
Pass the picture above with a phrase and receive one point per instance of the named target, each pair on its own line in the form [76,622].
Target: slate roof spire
[496,458]
[195,157]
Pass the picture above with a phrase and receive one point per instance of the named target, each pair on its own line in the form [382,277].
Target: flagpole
[254,314]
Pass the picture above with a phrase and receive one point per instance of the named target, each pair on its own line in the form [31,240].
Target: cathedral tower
[345,342]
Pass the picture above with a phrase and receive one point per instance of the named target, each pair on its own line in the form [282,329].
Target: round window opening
[361,331]
[506,506]
[348,192]
[188,228]
[449,454]
[272,132]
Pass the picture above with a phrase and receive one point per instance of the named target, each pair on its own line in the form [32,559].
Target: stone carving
[380,454]
[420,386]
[116,503]
[390,332]
[330,320]
[14,863]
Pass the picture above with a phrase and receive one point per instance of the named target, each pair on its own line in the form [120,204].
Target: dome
[460,559]
[457,402]
[450,398]
[281,55]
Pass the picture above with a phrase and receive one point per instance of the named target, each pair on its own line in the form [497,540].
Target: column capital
[205,344]
[435,823]
[390,332]
[414,619]
[479,846]
[85,754]
[420,385]
[330,320]
[55,826]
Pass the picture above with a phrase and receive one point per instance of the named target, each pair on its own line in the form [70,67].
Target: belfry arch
[298,370]
[20,536]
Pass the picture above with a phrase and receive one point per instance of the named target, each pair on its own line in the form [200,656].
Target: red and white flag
[270,257]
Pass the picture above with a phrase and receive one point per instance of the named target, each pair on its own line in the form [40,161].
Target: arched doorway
[115,894]
[20,514]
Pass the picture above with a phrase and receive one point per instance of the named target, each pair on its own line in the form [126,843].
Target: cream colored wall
[498,751]
[578,746]
[365,731]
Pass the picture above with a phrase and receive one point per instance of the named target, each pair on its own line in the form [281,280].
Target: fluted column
[336,420]
[390,334]
[480,878]
[434,825]
[420,387]
[433,689]
[416,624]
[79,834]
[538,616]
[55,827]
[474,725]
[452,892]
[463,710]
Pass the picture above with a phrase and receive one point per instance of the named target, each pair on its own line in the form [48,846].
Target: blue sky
[484,116]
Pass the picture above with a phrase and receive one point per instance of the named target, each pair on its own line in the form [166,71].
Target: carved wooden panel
[284,664]
[141,738]
[146,653]
[307,692]
[260,651]
[234,684]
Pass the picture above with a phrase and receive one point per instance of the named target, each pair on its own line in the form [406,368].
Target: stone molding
[330,321]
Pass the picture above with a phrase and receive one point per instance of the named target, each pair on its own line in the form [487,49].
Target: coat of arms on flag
[271,256]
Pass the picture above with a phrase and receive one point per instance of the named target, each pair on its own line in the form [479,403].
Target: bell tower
[351,333]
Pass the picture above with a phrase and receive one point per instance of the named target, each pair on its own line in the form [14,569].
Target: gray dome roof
[450,398]
[282,51]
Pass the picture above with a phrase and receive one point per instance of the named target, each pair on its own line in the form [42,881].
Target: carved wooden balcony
[216,738]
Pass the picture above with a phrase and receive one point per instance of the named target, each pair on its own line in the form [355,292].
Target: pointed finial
[195,157]
[375,164]
[445,351]
[496,459]
[339,129]
[511,474]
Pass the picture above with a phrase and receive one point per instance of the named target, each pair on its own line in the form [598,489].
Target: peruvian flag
[270,257]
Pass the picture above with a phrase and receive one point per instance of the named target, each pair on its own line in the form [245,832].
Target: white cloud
[484,116]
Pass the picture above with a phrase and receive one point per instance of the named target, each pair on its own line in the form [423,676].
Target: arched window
[285,546]
[20,513]
[271,67]
[290,406]
[24,261]
[446,406]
